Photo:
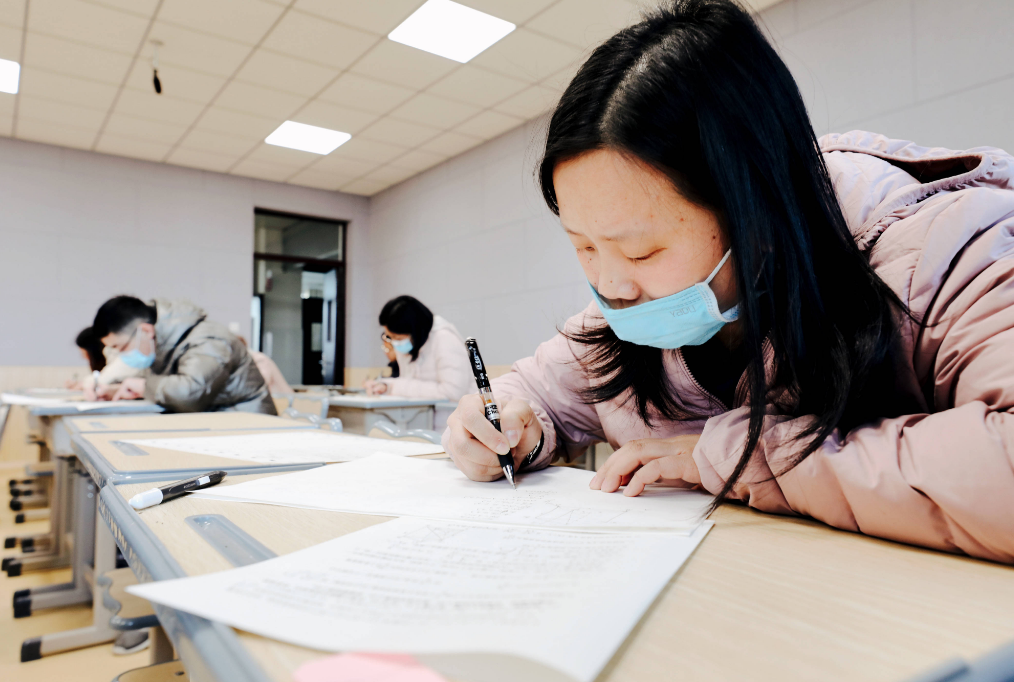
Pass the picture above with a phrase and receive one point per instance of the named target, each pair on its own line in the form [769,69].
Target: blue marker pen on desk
[489,405]
[149,498]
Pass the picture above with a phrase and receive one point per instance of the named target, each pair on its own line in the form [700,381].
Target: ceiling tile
[144,129]
[221,144]
[585,23]
[273,70]
[365,93]
[527,56]
[334,117]
[320,179]
[235,123]
[12,13]
[562,78]
[204,160]
[340,165]
[403,65]
[451,144]
[263,171]
[72,59]
[7,104]
[55,86]
[10,43]
[477,86]
[6,124]
[390,174]
[132,147]
[194,50]
[529,103]
[283,156]
[418,160]
[158,107]
[514,11]
[253,99]
[62,135]
[399,132]
[86,23]
[363,149]
[489,124]
[243,20]
[60,113]
[177,81]
[143,8]
[367,188]
[376,17]
[434,111]
[319,40]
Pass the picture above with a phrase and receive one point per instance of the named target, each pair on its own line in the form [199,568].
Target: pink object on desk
[365,667]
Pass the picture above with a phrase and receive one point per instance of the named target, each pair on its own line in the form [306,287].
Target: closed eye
[641,259]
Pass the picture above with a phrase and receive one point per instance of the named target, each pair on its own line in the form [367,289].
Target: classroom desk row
[764,597]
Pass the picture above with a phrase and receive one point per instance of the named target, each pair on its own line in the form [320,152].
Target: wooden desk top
[196,421]
[764,598]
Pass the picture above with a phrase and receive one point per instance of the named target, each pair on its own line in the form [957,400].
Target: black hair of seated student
[393,364]
[121,312]
[697,92]
[92,345]
[406,315]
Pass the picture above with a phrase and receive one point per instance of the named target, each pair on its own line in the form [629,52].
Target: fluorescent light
[307,138]
[10,72]
[450,30]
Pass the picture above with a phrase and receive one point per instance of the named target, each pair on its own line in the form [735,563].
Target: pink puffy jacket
[938,226]
[441,370]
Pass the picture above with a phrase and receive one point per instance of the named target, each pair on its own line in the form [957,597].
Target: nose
[616,285]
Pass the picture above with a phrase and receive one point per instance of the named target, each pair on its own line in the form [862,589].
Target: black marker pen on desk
[489,405]
[149,498]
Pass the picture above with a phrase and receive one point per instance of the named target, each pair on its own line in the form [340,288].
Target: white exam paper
[556,497]
[293,447]
[79,405]
[565,600]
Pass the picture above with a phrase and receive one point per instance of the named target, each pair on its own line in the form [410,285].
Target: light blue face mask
[135,359]
[687,318]
[404,346]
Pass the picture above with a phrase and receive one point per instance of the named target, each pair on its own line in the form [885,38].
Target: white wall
[77,227]
[473,240]
[937,72]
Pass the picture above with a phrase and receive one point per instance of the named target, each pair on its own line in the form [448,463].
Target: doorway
[298,308]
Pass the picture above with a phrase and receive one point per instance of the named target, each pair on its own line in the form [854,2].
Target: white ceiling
[233,70]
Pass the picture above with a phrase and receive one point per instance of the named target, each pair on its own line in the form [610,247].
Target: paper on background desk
[294,447]
[557,497]
[563,600]
[79,405]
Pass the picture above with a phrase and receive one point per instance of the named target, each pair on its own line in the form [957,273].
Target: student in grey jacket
[191,364]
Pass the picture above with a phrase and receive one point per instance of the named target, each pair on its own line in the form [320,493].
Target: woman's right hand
[474,442]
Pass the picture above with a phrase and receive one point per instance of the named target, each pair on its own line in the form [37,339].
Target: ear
[147,328]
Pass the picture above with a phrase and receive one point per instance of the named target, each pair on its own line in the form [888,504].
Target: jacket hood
[878,178]
[175,320]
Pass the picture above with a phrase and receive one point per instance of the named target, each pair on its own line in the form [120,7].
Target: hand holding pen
[476,445]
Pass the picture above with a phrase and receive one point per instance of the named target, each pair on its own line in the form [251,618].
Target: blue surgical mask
[135,359]
[687,318]
[404,346]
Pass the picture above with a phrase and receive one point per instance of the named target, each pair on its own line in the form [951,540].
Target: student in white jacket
[431,354]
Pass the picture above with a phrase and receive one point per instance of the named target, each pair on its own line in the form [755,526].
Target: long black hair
[696,92]
[407,315]
[92,345]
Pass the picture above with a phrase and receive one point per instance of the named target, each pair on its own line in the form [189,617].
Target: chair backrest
[283,401]
[310,403]
[387,430]
[333,424]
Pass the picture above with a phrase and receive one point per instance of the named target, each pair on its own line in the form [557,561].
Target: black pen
[150,498]
[488,404]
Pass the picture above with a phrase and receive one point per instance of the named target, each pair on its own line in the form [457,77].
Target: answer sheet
[556,497]
[563,600]
[293,447]
[79,405]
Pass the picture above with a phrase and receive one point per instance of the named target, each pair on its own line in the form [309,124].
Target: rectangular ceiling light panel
[450,30]
[307,138]
[10,72]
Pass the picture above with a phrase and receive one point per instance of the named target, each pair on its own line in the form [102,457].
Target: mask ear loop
[718,267]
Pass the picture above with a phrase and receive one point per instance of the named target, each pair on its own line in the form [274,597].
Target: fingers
[469,452]
[619,467]
[516,416]
[473,419]
[649,473]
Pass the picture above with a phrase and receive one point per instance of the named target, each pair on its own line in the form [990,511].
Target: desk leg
[78,591]
[57,555]
[99,631]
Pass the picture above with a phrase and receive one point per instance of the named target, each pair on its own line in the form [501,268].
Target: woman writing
[819,328]
[429,352]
